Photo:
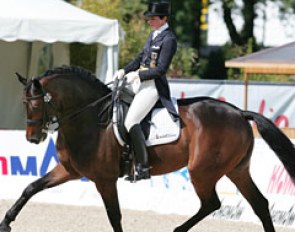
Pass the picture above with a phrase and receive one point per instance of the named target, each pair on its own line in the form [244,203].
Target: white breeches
[143,102]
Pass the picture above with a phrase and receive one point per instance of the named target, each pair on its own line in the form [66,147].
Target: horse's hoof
[175,230]
[5,228]
[179,229]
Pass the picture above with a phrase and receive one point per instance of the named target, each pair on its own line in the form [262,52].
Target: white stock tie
[155,34]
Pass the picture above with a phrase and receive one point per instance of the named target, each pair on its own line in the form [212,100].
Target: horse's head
[60,95]
[35,99]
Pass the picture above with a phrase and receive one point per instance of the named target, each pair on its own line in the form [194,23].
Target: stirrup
[142,174]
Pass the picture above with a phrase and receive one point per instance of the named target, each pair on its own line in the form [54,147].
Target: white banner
[22,162]
[275,101]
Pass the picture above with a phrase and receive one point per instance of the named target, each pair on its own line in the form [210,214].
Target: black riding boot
[141,155]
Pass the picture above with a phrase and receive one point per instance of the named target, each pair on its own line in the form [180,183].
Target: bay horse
[216,140]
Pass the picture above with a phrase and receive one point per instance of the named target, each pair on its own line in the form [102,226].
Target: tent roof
[54,20]
[278,60]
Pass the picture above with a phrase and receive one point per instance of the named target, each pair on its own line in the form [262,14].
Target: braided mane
[75,71]
[68,69]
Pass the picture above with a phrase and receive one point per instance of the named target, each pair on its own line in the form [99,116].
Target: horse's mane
[68,69]
[75,71]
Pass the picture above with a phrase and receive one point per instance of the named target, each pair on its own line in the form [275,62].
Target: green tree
[106,8]
[135,27]
[129,14]
[243,41]
[248,11]
[185,21]
[85,55]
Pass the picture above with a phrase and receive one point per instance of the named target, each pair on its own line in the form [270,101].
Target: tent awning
[278,60]
[54,20]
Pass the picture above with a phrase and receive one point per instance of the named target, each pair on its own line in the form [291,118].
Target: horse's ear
[36,83]
[21,79]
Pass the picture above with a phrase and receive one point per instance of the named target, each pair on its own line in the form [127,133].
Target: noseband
[48,123]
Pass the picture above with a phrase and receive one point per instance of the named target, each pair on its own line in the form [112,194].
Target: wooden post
[246,90]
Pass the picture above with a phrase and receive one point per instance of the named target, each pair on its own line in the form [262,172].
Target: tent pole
[246,90]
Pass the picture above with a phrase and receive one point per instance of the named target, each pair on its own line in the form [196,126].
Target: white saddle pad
[163,128]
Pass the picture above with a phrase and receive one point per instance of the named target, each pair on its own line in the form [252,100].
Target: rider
[149,68]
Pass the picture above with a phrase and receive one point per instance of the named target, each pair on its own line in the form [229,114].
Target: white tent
[35,34]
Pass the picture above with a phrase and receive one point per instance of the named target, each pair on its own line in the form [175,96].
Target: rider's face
[156,22]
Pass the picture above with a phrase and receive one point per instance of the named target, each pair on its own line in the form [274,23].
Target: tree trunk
[248,14]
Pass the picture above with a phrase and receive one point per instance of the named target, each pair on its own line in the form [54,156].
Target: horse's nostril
[33,140]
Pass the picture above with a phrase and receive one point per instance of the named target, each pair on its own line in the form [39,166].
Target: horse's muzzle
[36,138]
[33,140]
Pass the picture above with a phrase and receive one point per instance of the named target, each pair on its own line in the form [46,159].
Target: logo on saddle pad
[159,128]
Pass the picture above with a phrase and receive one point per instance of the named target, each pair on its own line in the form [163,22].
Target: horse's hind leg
[55,177]
[208,199]
[242,179]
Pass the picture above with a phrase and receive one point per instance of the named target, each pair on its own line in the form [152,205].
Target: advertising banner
[22,163]
[275,101]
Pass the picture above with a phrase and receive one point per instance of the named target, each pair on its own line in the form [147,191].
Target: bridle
[53,123]
[44,121]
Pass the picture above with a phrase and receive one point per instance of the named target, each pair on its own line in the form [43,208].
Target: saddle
[159,127]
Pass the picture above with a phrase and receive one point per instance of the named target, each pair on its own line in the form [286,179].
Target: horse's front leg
[55,177]
[109,194]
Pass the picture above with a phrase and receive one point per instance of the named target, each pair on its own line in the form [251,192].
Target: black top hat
[158,9]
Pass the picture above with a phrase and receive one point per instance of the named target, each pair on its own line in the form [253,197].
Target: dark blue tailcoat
[165,45]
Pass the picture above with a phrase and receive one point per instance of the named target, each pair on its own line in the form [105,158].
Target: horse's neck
[84,114]
[73,94]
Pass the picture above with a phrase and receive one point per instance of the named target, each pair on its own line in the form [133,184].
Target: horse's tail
[276,140]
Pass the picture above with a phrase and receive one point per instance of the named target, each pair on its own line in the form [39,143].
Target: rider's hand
[119,74]
[132,76]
